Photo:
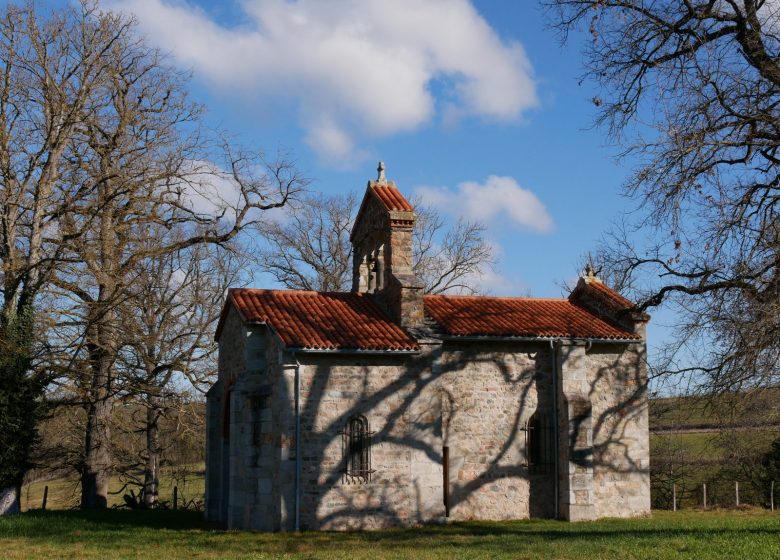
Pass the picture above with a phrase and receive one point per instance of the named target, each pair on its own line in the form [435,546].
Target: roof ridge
[292,291]
[523,298]
[359,294]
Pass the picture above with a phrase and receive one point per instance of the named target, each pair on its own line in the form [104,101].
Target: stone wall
[475,401]
[253,455]
[603,426]
[490,391]
[398,397]
[232,349]
[575,433]
[621,448]
[242,459]
[231,365]
[213,496]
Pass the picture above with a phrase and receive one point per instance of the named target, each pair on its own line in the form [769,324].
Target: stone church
[386,407]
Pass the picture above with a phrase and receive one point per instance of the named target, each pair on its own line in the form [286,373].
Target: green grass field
[64,493]
[167,535]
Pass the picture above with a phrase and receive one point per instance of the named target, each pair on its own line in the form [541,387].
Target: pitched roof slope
[611,294]
[595,288]
[518,317]
[320,320]
[352,321]
[392,198]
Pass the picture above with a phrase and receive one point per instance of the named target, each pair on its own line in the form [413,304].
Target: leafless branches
[453,263]
[114,199]
[311,250]
[691,89]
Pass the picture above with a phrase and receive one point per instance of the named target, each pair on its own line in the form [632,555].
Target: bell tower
[382,252]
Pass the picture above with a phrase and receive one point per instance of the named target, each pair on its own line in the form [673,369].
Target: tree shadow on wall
[416,409]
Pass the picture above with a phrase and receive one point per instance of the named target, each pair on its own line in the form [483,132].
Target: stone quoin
[386,407]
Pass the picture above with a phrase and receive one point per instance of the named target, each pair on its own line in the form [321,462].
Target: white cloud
[207,190]
[486,202]
[493,282]
[355,69]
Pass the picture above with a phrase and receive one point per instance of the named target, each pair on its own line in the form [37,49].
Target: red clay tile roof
[392,198]
[520,317]
[352,321]
[604,292]
[320,320]
[612,294]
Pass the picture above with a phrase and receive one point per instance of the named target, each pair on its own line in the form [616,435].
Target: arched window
[226,415]
[539,443]
[356,447]
[376,269]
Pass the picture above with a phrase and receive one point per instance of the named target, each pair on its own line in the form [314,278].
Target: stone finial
[381,179]
[589,271]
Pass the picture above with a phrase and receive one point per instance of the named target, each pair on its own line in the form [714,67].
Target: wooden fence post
[772,496]
[674,497]
[45,497]
[704,494]
[736,492]
[175,497]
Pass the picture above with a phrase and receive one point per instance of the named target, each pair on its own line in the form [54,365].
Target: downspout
[297,443]
[556,470]
[297,391]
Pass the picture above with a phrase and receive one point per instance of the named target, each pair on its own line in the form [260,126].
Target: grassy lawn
[168,534]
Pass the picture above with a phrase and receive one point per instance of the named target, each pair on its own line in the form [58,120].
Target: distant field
[64,493]
[760,408]
[715,441]
[745,535]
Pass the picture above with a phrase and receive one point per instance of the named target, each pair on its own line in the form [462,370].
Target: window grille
[356,450]
[539,443]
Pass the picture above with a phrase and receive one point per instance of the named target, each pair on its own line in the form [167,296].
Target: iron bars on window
[356,451]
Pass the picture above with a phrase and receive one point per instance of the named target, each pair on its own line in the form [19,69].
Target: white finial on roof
[381,179]
[589,272]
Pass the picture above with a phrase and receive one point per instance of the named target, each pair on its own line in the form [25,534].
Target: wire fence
[714,494]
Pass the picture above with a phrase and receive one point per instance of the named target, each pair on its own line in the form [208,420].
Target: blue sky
[473,104]
[556,185]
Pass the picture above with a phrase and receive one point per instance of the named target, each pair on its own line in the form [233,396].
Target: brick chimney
[382,252]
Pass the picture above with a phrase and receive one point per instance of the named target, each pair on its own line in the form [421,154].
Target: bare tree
[691,89]
[449,259]
[49,73]
[100,148]
[168,323]
[311,250]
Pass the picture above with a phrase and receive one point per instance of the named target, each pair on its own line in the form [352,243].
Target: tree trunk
[152,467]
[96,472]
[9,500]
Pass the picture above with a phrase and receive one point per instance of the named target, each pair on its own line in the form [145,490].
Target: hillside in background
[756,409]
